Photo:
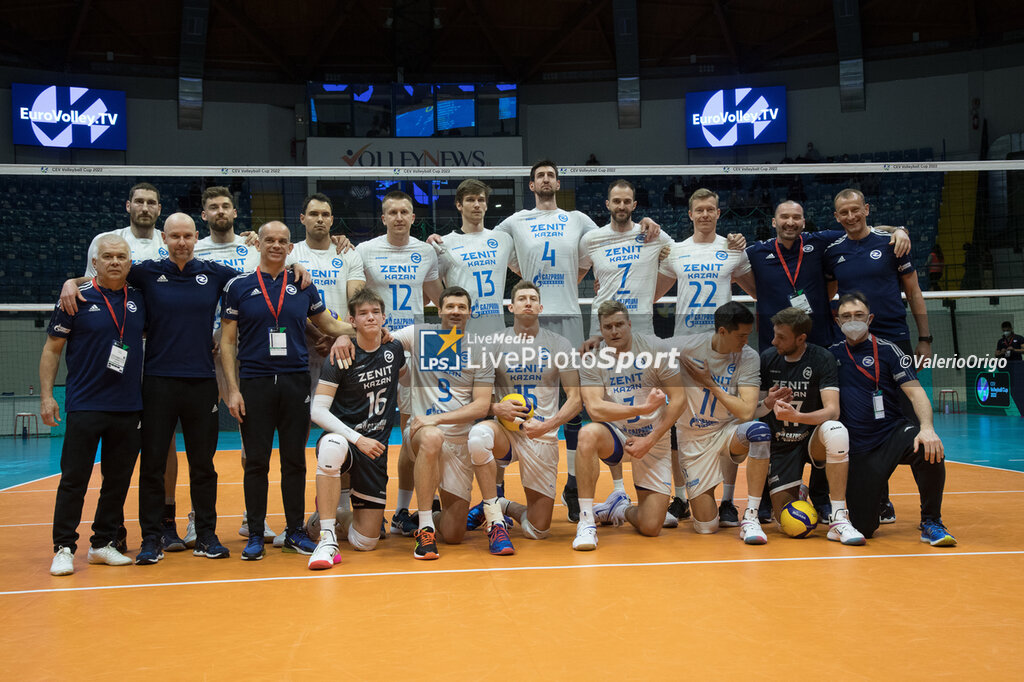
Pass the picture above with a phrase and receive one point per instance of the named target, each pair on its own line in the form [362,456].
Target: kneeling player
[800,387]
[721,397]
[631,422]
[451,388]
[527,360]
[356,409]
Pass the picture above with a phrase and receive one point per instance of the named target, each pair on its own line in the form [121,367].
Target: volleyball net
[965,221]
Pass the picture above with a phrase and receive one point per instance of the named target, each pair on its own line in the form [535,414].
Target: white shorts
[569,326]
[538,462]
[404,399]
[456,470]
[701,457]
[651,472]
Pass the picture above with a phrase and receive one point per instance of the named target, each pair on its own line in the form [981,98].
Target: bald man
[263,322]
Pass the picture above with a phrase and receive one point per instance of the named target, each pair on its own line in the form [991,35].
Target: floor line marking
[501,569]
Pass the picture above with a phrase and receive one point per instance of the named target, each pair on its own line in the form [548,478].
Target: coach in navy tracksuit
[263,324]
[873,373]
[103,403]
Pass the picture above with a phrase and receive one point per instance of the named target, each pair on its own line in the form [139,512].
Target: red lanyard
[799,262]
[266,296]
[118,327]
[874,348]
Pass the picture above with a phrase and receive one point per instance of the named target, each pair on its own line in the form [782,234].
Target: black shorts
[369,477]
[787,465]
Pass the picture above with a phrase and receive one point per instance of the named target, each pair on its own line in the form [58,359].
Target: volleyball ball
[515,397]
[798,519]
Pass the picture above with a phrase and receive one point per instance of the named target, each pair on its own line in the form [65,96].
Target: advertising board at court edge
[428,152]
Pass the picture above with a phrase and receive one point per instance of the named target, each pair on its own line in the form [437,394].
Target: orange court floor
[679,605]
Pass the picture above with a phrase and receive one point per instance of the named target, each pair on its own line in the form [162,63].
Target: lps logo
[868,361]
[61,116]
[563,218]
[807,372]
[721,255]
[201,279]
[440,351]
[242,251]
[163,252]
[131,306]
[640,238]
[389,357]
[337,262]
[291,289]
[492,243]
[416,258]
[875,255]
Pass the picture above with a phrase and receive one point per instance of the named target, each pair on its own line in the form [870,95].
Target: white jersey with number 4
[704,273]
[531,366]
[397,273]
[478,262]
[331,272]
[440,391]
[626,269]
[632,385]
[234,254]
[547,245]
[142,249]
[704,415]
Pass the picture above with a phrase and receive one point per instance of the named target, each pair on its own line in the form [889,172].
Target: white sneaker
[326,553]
[278,539]
[190,531]
[841,530]
[603,512]
[63,562]
[750,529]
[109,556]
[268,534]
[617,515]
[670,520]
[586,537]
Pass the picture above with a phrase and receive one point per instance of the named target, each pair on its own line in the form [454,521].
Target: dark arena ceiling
[522,41]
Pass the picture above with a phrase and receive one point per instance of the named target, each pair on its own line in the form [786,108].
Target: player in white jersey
[704,268]
[625,263]
[631,421]
[403,270]
[715,426]
[534,363]
[477,259]
[547,245]
[143,207]
[451,388]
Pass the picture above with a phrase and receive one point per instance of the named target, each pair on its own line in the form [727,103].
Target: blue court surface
[968,438]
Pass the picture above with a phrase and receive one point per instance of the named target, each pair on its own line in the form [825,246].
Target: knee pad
[757,437]
[572,431]
[531,532]
[480,445]
[705,527]
[359,541]
[837,442]
[331,453]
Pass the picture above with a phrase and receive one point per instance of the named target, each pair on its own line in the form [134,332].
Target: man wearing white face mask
[872,374]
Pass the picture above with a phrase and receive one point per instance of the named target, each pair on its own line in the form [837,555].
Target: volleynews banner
[68,117]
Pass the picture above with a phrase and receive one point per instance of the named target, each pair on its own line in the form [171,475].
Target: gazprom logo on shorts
[440,351]
[721,255]
[242,250]
[492,243]
[415,258]
[337,262]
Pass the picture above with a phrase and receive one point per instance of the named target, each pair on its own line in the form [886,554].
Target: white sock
[837,505]
[753,502]
[727,489]
[327,536]
[587,507]
[619,487]
[404,499]
[681,492]
[426,519]
[345,500]
[492,512]
[570,461]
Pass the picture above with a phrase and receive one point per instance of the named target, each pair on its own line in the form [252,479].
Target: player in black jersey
[356,409]
[800,389]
